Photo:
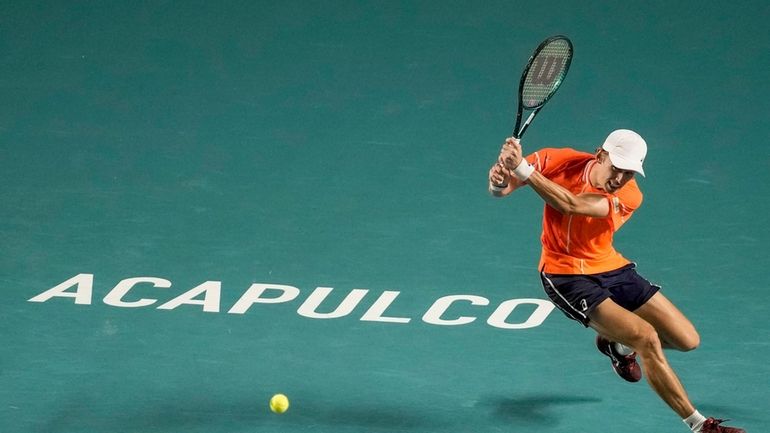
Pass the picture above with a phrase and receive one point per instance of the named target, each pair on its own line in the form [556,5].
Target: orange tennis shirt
[578,244]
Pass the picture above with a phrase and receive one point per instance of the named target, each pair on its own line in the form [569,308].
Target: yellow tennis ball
[279,403]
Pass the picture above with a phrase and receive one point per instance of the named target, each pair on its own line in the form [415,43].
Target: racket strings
[549,66]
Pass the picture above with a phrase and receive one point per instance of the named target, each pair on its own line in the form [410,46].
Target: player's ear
[600,154]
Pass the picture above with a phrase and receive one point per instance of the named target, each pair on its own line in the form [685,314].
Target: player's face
[610,178]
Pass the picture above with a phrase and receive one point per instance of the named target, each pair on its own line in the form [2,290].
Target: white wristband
[523,171]
[497,188]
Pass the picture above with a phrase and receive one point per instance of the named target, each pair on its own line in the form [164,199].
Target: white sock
[695,421]
[623,350]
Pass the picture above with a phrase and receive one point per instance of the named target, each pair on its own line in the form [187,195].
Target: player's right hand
[511,153]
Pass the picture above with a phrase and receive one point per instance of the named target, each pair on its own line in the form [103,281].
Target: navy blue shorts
[578,295]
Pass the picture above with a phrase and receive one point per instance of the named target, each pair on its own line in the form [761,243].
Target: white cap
[627,150]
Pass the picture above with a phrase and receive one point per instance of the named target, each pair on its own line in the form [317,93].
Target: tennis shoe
[624,365]
[712,425]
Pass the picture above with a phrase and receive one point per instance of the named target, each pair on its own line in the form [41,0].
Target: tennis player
[588,197]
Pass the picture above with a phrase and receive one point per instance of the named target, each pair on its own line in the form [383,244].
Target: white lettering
[497,319]
[347,305]
[210,301]
[115,296]
[507,315]
[433,316]
[254,296]
[82,295]
[376,311]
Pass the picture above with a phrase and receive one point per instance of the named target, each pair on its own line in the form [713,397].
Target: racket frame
[519,129]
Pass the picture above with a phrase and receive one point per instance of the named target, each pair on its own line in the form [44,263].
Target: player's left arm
[558,197]
[567,203]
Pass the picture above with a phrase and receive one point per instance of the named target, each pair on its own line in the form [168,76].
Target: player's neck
[592,174]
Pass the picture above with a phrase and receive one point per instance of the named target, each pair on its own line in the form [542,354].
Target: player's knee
[647,340]
[691,342]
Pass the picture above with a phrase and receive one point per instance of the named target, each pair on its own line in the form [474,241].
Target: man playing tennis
[588,198]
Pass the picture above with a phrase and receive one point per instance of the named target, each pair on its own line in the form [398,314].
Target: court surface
[240,199]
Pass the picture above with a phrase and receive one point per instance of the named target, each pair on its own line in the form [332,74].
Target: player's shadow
[541,409]
[204,412]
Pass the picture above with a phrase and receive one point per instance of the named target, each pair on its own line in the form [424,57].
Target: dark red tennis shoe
[712,426]
[624,365]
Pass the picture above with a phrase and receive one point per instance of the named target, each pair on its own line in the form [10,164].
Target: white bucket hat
[627,150]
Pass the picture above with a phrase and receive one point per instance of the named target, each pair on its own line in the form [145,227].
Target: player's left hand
[511,153]
[499,175]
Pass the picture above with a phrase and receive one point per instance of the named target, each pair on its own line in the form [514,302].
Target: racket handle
[526,124]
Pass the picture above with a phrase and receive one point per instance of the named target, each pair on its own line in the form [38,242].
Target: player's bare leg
[674,329]
[620,325]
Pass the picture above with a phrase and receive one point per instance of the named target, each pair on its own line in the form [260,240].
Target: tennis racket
[541,78]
